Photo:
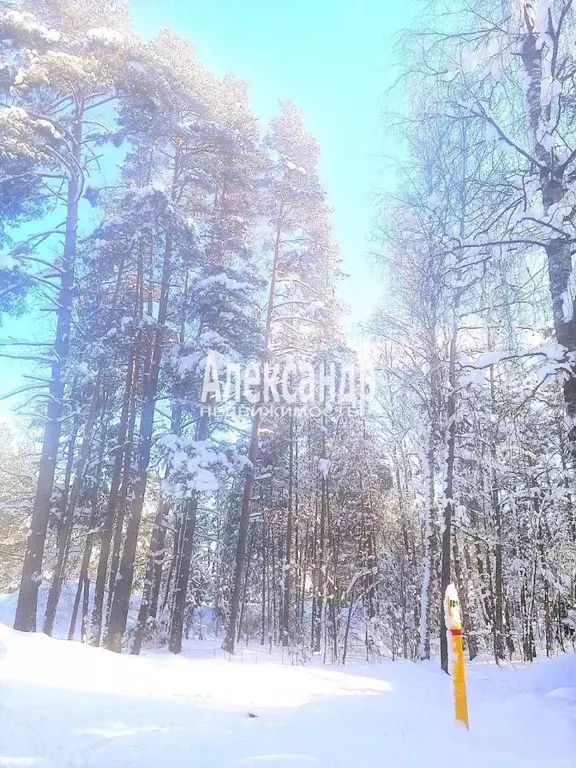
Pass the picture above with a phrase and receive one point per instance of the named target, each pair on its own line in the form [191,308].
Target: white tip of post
[452,608]
[451,592]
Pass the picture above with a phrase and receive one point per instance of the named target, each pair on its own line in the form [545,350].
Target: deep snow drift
[66,705]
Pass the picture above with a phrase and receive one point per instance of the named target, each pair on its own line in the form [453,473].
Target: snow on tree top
[105,35]
[28,23]
[223,280]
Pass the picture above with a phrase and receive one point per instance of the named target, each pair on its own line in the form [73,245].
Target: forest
[150,223]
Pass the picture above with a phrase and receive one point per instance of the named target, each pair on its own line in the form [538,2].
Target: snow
[190,464]
[66,705]
[13,113]
[474,376]
[568,298]
[491,133]
[208,339]
[48,126]
[28,23]
[547,141]
[551,351]
[547,371]
[125,322]
[149,190]
[105,35]
[187,363]
[222,280]
[7,262]
[489,358]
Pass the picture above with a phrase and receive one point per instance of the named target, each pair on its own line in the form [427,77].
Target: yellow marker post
[454,625]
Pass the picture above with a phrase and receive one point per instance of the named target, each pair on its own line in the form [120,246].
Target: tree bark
[68,522]
[287,576]
[123,585]
[146,603]
[230,639]
[111,507]
[27,606]
[449,500]
[554,190]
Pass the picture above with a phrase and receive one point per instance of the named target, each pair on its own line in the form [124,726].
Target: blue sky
[333,58]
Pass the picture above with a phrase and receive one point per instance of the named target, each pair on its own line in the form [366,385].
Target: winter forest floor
[65,705]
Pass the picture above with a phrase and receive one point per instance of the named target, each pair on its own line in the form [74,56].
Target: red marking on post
[456,632]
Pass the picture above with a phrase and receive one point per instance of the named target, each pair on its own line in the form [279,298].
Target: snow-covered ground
[66,705]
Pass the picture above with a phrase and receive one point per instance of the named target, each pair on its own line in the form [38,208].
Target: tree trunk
[425,591]
[27,606]
[287,575]
[449,499]
[230,639]
[554,191]
[183,575]
[61,527]
[120,455]
[123,585]
[68,522]
[499,651]
[320,554]
[264,592]
[81,579]
[245,588]
[158,563]
[146,603]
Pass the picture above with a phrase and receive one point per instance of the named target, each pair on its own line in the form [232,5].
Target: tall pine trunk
[112,505]
[183,571]
[68,522]
[123,585]
[27,606]
[230,639]
[237,579]
[288,570]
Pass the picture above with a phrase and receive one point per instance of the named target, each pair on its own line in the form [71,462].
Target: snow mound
[65,704]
